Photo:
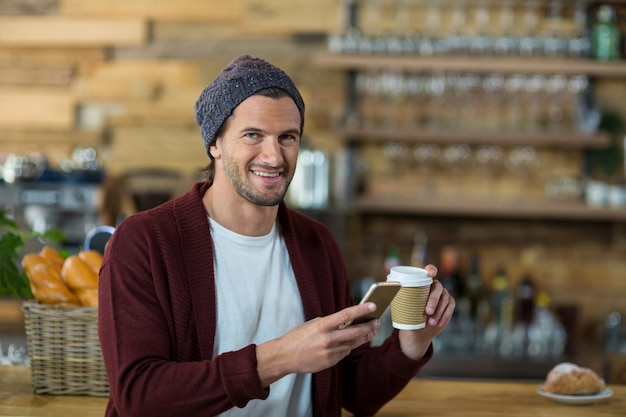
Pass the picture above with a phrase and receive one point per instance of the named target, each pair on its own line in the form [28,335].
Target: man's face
[259,149]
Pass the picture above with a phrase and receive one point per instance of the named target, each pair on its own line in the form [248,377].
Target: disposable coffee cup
[408,308]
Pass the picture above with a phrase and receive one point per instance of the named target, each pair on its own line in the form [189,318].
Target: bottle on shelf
[605,35]
[392,259]
[502,300]
[525,301]
[419,253]
[479,308]
[449,274]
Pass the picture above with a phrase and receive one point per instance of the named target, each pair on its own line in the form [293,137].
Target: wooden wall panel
[28,7]
[174,148]
[291,16]
[36,108]
[137,79]
[55,76]
[156,9]
[83,59]
[57,31]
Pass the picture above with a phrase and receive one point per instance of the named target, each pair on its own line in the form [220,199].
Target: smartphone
[381,294]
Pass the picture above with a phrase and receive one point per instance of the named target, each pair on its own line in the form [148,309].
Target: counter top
[423,397]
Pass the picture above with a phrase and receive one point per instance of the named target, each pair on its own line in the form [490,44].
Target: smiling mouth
[266,174]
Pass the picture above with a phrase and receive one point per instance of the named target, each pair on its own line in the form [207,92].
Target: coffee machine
[70,208]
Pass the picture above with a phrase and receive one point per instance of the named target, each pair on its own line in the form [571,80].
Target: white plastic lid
[409,276]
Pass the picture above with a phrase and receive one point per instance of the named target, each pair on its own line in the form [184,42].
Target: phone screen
[381,294]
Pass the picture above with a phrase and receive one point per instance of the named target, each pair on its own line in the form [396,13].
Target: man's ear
[214,151]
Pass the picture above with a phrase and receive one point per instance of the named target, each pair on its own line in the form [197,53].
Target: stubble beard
[244,189]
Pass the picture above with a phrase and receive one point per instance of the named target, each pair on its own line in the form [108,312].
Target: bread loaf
[46,283]
[78,275]
[52,256]
[91,258]
[88,297]
[570,379]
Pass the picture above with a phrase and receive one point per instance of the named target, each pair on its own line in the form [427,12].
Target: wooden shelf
[505,65]
[564,140]
[523,210]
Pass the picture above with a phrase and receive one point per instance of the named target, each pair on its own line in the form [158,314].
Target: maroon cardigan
[157,320]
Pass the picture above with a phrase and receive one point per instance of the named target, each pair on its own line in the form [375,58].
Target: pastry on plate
[570,379]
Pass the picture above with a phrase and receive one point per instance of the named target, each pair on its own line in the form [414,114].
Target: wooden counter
[422,398]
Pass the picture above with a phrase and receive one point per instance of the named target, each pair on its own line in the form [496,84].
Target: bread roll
[78,275]
[91,258]
[52,256]
[88,297]
[45,281]
[570,379]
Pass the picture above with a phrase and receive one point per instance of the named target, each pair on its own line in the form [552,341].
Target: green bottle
[606,35]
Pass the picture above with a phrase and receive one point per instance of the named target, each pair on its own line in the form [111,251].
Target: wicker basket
[64,350]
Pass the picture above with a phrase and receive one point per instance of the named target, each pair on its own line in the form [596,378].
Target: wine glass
[554,41]
[456,159]
[489,159]
[372,41]
[574,107]
[522,161]
[530,43]
[506,43]
[414,103]
[513,109]
[431,44]
[425,156]
[458,41]
[555,88]
[395,153]
[579,44]
[480,42]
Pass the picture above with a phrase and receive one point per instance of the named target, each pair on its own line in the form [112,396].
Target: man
[225,302]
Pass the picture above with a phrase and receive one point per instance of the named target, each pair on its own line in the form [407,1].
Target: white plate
[576,399]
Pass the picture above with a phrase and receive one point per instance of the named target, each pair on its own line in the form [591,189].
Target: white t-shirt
[258,300]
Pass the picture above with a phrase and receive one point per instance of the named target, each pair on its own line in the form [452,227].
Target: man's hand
[439,309]
[315,345]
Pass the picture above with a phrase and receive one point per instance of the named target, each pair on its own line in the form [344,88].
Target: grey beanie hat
[240,79]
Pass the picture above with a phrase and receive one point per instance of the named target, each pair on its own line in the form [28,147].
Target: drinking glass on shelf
[555,89]
[394,93]
[492,91]
[469,87]
[480,41]
[522,161]
[431,43]
[435,88]
[426,156]
[403,40]
[414,104]
[489,161]
[512,108]
[456,159]
[506,43]
[534,87]
[396,156]
[371,104]
[372,40]
[555,41]
[457,40]
[530,43]
[579,45]
[574,108]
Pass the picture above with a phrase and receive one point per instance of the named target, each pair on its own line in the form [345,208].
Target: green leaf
[13,281]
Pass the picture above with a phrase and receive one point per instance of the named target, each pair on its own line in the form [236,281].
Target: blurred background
[486,137]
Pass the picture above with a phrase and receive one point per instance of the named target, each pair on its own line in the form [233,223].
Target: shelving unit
[562,140]
[504,65]
[521,210]
[558,140]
